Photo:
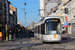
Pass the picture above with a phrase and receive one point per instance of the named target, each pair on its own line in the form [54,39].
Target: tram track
[28,43]
[29,48]
[21,43]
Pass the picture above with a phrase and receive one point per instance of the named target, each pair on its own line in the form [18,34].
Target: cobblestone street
[67,43]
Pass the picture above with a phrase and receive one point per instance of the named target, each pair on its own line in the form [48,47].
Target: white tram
[48,29]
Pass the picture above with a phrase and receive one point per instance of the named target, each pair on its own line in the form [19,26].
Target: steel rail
[28,43]
[21,42]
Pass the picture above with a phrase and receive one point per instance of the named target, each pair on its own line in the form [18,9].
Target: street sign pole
[7,23]
[6,32]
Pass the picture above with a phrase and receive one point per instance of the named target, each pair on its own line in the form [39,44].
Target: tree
[26,28]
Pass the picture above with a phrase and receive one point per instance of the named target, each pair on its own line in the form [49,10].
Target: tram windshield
[53,27]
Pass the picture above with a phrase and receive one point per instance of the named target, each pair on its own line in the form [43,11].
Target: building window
[69,6]
[62,11]
[62,3]
[5,1]
[62,19]
[0,7]
[48,13]
[0,17]
[53,0]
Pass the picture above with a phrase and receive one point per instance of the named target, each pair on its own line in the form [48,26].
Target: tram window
[39,29]
[43,29]
[35,30]
[53,27]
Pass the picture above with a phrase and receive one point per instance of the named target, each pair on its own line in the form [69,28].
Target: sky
[31,9]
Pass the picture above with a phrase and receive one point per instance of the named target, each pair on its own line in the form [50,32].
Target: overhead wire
[28,2]
[36,18]
[27,12]
[17,6]
[38,2]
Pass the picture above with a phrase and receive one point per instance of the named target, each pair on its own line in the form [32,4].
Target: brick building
[13,19]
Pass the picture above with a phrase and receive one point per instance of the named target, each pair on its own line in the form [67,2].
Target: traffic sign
[65,24]
[66,18]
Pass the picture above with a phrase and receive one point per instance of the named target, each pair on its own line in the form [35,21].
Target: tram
[48,29]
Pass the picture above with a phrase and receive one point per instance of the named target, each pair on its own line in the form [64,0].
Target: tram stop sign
[65,24]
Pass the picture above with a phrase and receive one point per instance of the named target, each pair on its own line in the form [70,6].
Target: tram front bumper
[51,40]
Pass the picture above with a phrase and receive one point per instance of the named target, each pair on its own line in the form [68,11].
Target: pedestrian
[63,30]
[1,36]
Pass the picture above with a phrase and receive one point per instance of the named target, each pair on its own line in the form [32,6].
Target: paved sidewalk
[69,35]
[4,41]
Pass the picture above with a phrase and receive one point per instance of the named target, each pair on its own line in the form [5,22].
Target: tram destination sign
[50,20]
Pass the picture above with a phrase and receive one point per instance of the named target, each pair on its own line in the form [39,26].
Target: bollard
[6,32]
[10,37]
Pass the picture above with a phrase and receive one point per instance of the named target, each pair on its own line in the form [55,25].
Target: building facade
[32,25]
[4,15]
[61,13]
[42,8]
[45,7]
[71,16]
[13,18]
[1,14]
[2,8]
[69,4]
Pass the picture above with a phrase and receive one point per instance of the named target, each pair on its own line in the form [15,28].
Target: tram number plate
[55,35]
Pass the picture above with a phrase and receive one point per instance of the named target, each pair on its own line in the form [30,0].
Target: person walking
[63,30]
